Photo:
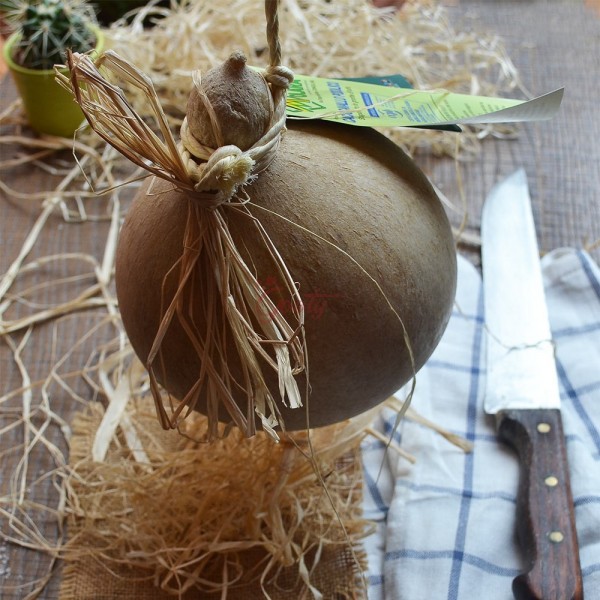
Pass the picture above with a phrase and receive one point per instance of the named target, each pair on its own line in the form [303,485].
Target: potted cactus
[43,31]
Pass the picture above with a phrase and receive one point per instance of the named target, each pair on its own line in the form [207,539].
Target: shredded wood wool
[122,459]
[185,518]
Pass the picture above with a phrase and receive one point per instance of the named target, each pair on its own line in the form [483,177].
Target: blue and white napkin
[446,525]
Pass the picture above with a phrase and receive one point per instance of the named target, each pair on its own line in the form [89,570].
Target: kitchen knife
[522,392]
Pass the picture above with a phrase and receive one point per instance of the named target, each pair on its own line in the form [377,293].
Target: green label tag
[399,81]
[372,105]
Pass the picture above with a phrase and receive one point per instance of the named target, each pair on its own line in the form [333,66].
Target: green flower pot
[49,108]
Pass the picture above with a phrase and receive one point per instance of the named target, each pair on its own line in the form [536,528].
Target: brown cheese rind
[357,224]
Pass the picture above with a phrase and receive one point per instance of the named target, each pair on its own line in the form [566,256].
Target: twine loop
[279,76]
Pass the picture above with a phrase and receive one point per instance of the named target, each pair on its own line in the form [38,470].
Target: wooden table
[552,43]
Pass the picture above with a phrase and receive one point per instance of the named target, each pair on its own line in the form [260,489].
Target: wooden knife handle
[545,512]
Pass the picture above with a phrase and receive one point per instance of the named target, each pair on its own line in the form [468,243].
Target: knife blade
[522,392]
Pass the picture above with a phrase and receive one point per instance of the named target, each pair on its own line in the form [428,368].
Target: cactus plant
[48,28]
[43,31]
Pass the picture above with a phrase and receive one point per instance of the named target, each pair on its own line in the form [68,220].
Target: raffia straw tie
[222,171]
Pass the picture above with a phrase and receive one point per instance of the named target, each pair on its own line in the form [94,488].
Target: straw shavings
[42,299]
[182,520]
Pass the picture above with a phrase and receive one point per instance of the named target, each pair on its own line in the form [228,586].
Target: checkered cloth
[446,525]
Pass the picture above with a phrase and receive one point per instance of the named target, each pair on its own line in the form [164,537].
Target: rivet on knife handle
[545,513]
